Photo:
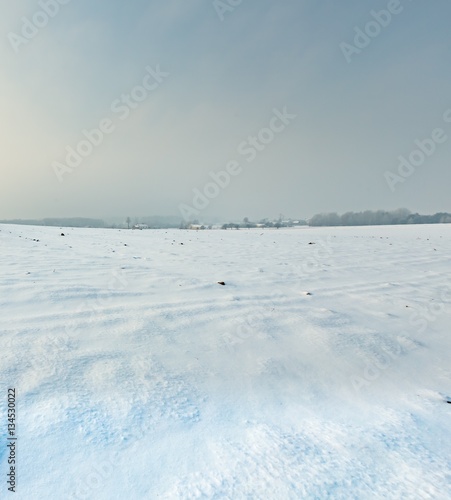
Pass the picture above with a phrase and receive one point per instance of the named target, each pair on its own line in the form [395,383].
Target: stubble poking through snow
[304,376]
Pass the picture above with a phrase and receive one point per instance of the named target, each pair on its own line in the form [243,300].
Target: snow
[322,369]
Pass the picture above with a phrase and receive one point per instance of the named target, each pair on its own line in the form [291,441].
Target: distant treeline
[153,222]
[378,218]
[366,218]
[264,223]
[60,222]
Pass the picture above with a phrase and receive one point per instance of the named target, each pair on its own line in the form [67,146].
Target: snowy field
[321,369]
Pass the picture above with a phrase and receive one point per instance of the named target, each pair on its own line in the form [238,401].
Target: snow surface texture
[321,369]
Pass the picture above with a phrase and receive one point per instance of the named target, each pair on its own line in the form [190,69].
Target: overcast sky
[276,92]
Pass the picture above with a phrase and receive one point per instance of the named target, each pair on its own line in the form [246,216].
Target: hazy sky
[217,77]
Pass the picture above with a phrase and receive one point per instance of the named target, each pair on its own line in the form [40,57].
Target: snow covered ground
[322,369]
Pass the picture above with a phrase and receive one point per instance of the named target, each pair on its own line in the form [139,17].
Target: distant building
[140,226]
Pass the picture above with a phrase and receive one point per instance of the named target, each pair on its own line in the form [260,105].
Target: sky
[224,108]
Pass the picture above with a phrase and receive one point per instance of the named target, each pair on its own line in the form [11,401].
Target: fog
[204,109]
